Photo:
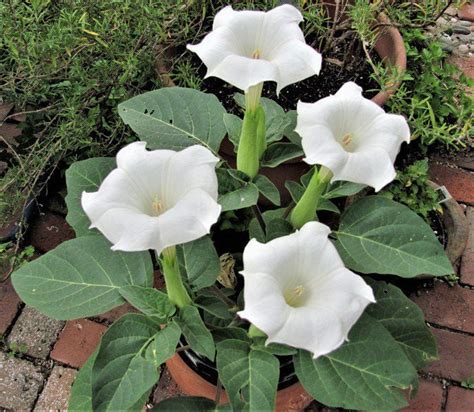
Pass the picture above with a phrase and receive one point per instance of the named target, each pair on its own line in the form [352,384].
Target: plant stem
[305,209]
[174,284]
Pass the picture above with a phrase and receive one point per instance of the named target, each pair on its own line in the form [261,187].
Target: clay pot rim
[193,384]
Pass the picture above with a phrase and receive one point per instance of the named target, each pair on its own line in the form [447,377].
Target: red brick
[466,12]
[77,341]
[9,304]
[428,398]
[459,182]
[166,388]
[460,399]
[50,230]
[467,262]
[456,355]
[448,306]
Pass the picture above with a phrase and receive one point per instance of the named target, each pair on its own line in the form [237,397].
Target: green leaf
[221,334]
[214,306]
[84,176]
[186,404]
[341,189]
[234,192]
[233,125]
[150,301]
[267,189]
[121,376]
[81,392]
[201,262]
[175,118]
[277,153]
[249,376]
[405,321]
[378,235]
[368,372]
[195,332]
[163,345]
[275,224]
[82,277]
[296,190]
[325,204]
[289,131]
[273,348]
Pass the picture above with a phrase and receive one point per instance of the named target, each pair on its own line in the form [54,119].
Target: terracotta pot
[292,398]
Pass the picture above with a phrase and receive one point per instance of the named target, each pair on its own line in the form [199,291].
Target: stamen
[291,297]
[157,205]
[347,139]
[256,54]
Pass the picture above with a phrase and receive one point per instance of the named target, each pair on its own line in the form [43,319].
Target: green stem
[174,283]
[305,209]
[248,151]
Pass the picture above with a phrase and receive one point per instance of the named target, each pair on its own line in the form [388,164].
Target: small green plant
[15,349]
[452,279]
[468,383]
[411,187]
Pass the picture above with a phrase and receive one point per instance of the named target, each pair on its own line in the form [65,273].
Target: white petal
[387,131]
[372,167]
[144,166]
[265,306]
[191,168]
[189,219]
[296,61]
[244,72]
[116,191]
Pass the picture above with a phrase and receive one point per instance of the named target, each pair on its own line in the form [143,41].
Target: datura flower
[246,48]
[299,293]
[155,199]
[352,136]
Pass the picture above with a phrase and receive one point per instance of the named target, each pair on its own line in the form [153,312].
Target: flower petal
[191,168]
[189,219]
[244,72]
[264,297]
[296,61]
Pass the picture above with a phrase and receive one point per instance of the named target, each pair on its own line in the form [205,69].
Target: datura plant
[280,293]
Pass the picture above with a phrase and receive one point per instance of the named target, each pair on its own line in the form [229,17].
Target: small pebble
[463,48]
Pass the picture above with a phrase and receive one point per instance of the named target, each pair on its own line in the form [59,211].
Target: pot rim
[293,397]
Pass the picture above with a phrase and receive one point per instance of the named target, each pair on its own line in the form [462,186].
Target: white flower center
[294,296]
[157,206]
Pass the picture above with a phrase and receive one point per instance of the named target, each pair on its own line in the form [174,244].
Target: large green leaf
[249,376]
[378,235]
[367,372]
[233,125]
[84,176]
[341,189]
[163,345]
[175,118]
[195,332]
[201,262]
[149,301]
[81,392]
[234,191]
[121,376]
[81,277]
[405,321]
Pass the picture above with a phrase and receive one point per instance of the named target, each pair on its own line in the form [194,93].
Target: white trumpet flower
[299,293]
[352,136]
[246,48]
[155,199]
